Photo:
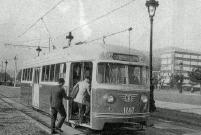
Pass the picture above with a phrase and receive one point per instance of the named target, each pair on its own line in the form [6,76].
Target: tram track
[29,110]
[26,112]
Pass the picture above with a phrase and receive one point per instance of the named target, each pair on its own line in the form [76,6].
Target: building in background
[178,61]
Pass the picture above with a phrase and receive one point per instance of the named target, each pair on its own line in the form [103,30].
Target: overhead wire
[46,13]
[78,27]
[26,46]
[46,27]
[104,37]
[100,17]
[95,19]
[28,41]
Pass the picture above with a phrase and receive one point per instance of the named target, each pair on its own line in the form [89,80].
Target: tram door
[35,88]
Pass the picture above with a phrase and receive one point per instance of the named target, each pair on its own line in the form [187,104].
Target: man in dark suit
[56,105]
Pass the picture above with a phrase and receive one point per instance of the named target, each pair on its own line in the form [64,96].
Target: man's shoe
[54,132]
[59,129]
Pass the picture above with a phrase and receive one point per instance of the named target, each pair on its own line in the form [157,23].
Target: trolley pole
[49,43]
[15,60]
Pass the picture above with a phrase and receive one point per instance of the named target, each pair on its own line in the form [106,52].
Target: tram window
[43,73]
[144,75]
[80,70]
[47,73]
[52,71]
[31,72]
[87,69]
[76,69]
[28,74]
[62,72]
[114,73]
[23,74]
[134,74]
[57,72]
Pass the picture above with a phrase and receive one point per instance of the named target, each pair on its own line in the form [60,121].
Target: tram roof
[81,52]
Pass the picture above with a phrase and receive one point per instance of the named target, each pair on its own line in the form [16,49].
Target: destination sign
[125,57]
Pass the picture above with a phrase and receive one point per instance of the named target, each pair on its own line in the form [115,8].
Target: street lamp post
[6,62]
[2,71]
[38,49]
[151,6]
[15,60]
[70,38]
[180,77]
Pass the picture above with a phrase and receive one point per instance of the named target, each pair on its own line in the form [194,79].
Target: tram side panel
[44,94]
[26,93]
[44,98]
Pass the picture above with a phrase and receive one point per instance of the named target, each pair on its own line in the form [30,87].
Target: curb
[175,115]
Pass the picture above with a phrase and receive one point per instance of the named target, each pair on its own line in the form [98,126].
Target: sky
[176,23]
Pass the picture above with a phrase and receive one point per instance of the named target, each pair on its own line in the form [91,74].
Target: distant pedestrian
[56,105]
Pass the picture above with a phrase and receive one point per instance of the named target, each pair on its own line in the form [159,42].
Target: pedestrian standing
[56,105]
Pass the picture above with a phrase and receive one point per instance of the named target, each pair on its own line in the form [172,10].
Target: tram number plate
[129,110]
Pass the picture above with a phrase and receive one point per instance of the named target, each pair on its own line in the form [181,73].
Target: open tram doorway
[78,72]
[35,88]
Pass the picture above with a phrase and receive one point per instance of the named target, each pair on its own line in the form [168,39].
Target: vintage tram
[119,82]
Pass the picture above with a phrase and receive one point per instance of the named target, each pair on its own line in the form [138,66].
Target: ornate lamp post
[15,60]
[151,6]
[2,70]
[6,62]
[70,38]
[38,49]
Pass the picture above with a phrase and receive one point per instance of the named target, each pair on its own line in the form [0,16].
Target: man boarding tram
[56,105]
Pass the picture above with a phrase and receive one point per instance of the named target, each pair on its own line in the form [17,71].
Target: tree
[2,77]
[176,80]
[19,75]
[172,82]
[195,76]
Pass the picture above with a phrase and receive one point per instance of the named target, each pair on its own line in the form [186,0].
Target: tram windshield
[116,73]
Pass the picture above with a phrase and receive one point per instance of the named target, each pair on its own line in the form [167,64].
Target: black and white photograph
[100,67]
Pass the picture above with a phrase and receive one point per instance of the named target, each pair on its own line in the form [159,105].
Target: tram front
[120,94]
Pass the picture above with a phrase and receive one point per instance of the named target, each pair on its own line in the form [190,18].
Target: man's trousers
[54,111]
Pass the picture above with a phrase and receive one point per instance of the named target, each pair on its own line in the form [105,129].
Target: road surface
[159,126]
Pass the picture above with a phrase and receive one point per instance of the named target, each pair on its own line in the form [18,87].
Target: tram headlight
[110,99]
[144,98]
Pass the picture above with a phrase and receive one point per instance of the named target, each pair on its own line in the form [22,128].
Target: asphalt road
[159,126]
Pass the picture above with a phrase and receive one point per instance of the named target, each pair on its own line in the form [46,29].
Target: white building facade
[178,61]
